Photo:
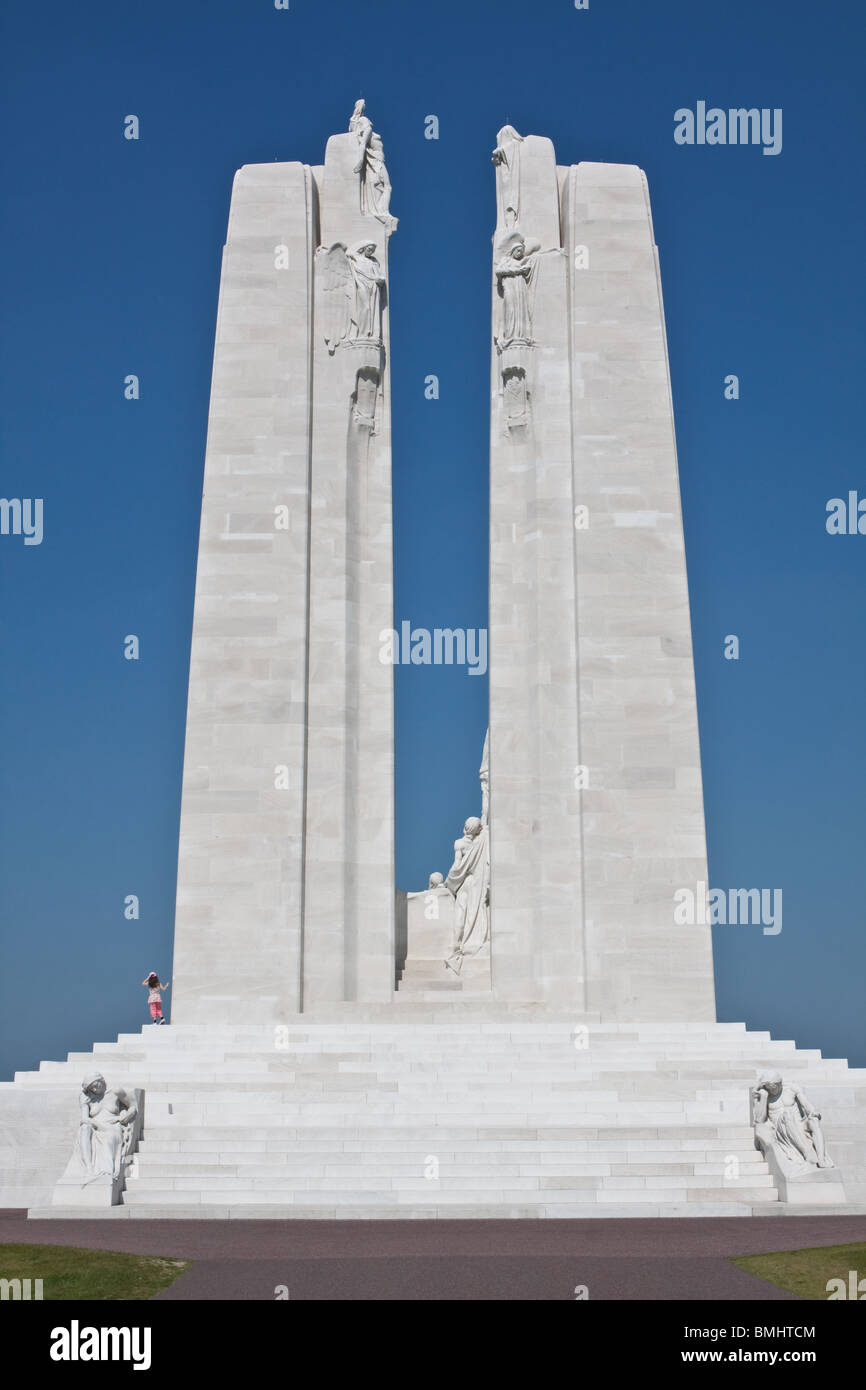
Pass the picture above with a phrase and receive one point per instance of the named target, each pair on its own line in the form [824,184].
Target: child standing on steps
[154,998]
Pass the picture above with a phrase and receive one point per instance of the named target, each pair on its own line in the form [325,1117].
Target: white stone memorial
[535,1018]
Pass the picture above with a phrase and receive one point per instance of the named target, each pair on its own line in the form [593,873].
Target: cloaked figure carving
[515,268]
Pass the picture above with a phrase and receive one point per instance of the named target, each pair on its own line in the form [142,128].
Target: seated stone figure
[105,1130]
[787,1124]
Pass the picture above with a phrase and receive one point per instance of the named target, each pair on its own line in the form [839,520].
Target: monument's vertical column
[535,832]
[240,870]
[643,808]
[349,878]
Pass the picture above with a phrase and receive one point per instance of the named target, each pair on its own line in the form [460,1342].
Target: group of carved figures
[515,254]
[352,284]
[515,267]
[350,279]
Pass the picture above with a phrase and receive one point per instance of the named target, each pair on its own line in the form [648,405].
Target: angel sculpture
[352,291]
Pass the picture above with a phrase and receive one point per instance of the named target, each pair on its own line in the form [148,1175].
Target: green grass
[806,1272]
[70,1274]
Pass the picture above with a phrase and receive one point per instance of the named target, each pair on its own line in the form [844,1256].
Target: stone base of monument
[821,1187]
[438,1110]
[104,1191]
[430,944]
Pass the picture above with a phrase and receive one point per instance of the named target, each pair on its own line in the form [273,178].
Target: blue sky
[110,265]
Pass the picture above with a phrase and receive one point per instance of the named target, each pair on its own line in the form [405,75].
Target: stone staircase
[433,1111]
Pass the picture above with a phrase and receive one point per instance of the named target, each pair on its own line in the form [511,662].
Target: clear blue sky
[110,265]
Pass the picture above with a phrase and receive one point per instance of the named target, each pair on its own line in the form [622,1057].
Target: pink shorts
[156,1009]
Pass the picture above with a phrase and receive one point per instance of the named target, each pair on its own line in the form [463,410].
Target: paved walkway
[655,1258]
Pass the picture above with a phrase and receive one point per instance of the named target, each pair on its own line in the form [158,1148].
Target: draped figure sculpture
[375,185]
[506,157]
[369,287]
[105,1129]
[468,879]
[787,1123]
[515,267]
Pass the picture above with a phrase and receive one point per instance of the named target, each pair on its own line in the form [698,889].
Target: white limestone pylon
[240,854]
[349,949]
[285,866]
[596,798]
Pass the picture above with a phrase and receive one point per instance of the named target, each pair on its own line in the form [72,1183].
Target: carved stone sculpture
[361,126]
[105,1130]
[786,1123]
[375,186]
[365,398]
[369,284]
[351,290]
[514,270]
[109,1126]
[484,777]
[468,879]
[506,157]
[468,882]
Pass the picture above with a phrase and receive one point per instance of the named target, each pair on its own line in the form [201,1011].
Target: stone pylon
[285,873]
[595,775]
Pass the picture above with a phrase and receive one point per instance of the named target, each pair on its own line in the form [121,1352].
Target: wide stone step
[370,1211]
[377,1147]
[464,1163]
[492,1181]
[550,1197]
[366,1135]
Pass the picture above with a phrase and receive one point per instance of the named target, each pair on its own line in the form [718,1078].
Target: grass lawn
[69,1273]
[806,1272]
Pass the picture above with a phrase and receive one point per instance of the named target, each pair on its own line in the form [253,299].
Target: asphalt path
[616,1259]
